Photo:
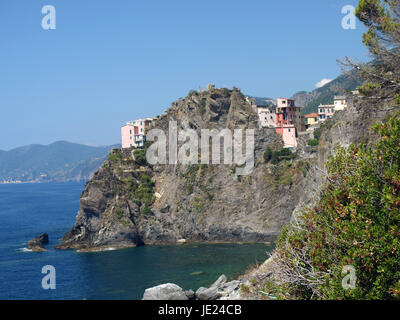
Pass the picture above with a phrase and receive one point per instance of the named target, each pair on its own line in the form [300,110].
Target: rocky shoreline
[219,290]
[180,242]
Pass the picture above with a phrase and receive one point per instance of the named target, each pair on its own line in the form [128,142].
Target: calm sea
[26,210]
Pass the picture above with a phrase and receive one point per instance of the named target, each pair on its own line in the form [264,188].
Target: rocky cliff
[350,126]
[130,203]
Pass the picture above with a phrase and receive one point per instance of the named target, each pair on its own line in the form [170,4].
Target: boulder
[168,291]
[230,286]
[220,281]
[208,293]
[37,244]
[190,294]
[211,293]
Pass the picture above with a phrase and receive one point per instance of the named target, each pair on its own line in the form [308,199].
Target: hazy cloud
[323,82]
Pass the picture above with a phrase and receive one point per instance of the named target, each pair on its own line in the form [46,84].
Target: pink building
[288,114]
[289,134]
[325,111]
[133,134]
[289,121]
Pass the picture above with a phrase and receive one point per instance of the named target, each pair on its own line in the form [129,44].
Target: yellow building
[311,119]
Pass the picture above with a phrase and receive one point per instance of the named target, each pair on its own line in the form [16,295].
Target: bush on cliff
[356,223]
[115,155]
[140,156]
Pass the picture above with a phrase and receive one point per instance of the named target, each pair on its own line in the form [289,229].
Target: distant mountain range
[311,100]
[57,162]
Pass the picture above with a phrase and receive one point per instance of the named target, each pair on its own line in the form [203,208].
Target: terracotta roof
[312,115]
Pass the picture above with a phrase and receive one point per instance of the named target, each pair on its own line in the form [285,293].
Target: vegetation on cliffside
[347,246]
[356,223]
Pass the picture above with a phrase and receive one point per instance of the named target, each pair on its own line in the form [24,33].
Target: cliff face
[129,204]
[349,126]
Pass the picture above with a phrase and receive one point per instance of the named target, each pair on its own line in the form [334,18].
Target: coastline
[161,244]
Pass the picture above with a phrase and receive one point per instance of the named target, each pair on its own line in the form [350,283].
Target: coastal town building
[284,116]
[289,135]
[340,103]
[311,120]
[267,116]
[288,114]
[289,121]
[133,134]
[325,111]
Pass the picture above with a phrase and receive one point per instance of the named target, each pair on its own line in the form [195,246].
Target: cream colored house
[267,116]
[311,119]
[340,103]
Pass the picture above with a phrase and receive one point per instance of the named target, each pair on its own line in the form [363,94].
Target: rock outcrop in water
[37,244]
[129,203]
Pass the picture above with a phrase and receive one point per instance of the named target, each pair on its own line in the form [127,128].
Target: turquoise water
[26,210]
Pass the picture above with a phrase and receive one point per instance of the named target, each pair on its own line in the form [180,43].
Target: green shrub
[119,213]
[140,156]
[116,156]
[283,154]
[317,133]
[267,154]
[226,92]
[193,93]
[313,142]
[146,211]
[356,222]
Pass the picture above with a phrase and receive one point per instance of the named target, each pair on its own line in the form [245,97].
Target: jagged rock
[220,281]
[164,209]
[230,286]
[190,294]
[211,293]
[168,291]
[208,293]
[37,244]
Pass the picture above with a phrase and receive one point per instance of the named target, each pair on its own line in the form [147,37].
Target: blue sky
[109,62]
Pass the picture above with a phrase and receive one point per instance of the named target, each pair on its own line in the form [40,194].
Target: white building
[267,116]
[340,103]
